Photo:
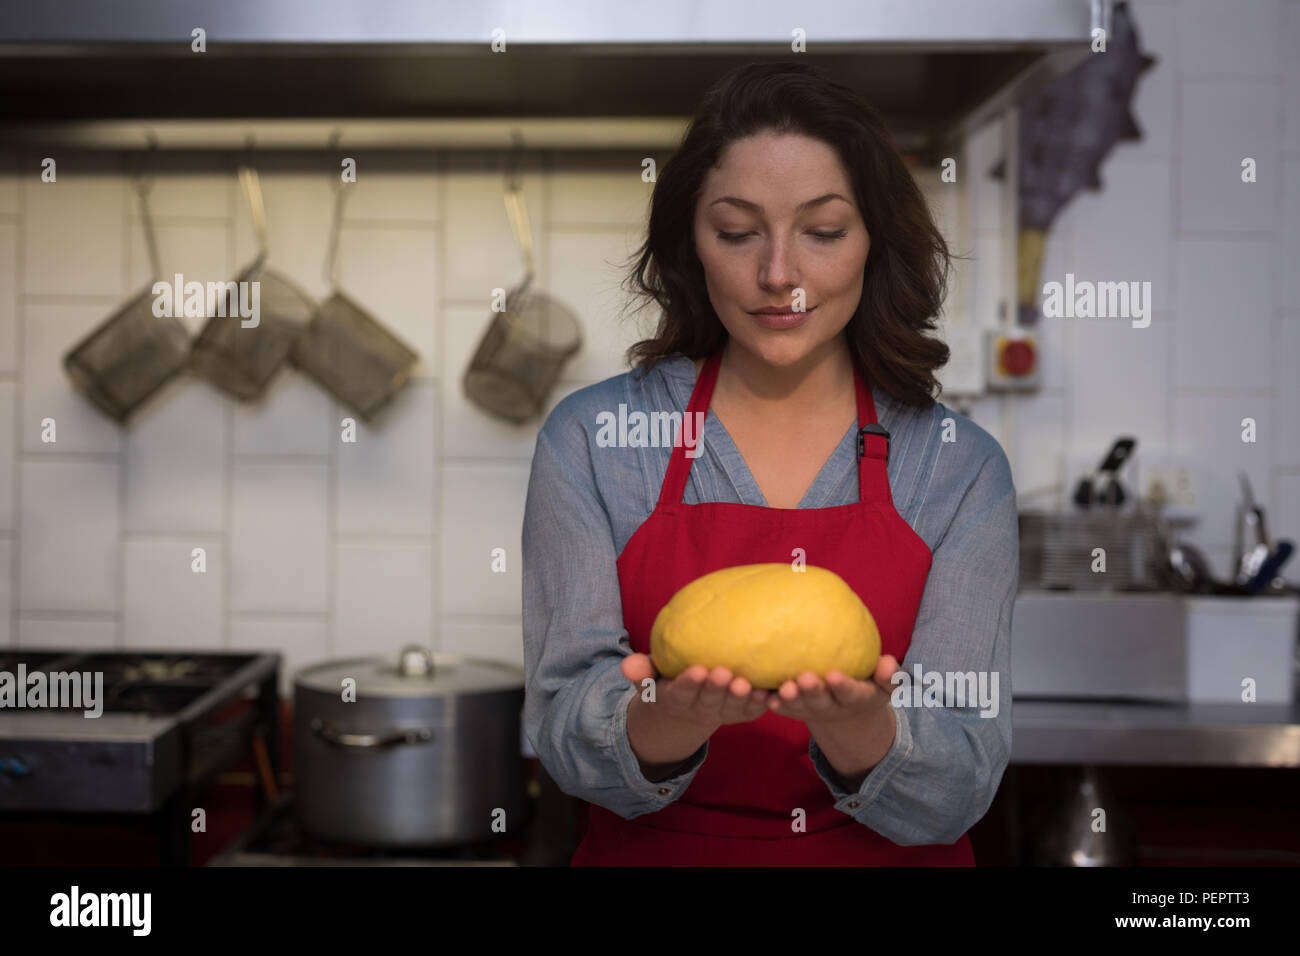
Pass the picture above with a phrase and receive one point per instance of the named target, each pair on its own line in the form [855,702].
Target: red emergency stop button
[1017,357]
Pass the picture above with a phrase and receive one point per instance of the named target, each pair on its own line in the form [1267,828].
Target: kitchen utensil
[524,349]
[1171,569]
[1103,487]
[133,353]
[241,355]
[1182,574]
[346,349]
[1271,567]
[1169,566]
[426,754]
[1194,567]
[1181,566]
[1250,523]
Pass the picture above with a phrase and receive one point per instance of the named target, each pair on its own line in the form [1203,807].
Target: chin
[778,349]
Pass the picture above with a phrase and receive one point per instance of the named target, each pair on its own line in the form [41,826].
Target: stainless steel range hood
[393,72]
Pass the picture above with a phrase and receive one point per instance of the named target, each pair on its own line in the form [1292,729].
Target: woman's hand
[839,697]
[685,712]
[851,720]
[698,696]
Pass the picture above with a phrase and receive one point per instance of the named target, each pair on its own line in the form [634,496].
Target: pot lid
[417,672]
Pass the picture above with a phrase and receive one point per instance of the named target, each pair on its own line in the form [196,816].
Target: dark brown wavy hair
[906,274]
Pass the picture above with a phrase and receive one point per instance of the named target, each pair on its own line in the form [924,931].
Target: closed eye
[823,236]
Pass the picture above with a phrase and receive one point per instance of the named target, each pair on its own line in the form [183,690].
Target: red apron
[737,810]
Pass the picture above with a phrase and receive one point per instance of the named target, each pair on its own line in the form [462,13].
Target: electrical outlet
[1172,483]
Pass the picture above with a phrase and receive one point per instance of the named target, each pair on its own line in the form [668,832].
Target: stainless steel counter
[1210,735]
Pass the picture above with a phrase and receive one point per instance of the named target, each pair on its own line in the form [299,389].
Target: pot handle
[332,735]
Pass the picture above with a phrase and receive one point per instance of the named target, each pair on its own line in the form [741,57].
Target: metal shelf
[583,133]
[1189,735]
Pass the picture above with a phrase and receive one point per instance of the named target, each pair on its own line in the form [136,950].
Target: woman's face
[766,233]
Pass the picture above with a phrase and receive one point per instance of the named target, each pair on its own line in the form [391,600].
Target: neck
[820,380]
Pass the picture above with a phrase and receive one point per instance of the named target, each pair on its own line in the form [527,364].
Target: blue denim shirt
[584,501]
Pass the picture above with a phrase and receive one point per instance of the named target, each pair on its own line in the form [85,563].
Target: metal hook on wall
[516,209]
[340,194]
[251,184]
[514,161]
[142,160]
[143,182]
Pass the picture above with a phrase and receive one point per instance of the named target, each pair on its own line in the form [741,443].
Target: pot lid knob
[415,661]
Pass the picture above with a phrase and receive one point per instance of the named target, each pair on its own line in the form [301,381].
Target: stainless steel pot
[426,754]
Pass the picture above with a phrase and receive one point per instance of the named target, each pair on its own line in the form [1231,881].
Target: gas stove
[158,684]
[170,723]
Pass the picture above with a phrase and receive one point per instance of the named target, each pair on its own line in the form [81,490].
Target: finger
[737,700]
[885,668]
[684,690]
[637,667]
[757,703]
[847,692]
[810,698]
[714,691]
[785,700]
[796,709]
[813,694]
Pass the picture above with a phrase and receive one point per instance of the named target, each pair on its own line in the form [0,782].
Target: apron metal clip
[872,429]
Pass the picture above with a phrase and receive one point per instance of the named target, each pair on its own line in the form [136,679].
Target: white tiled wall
[322,548]
[1221,256]
[313,546]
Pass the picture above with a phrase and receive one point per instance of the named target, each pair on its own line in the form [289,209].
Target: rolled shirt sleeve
[576,697]
[943,770]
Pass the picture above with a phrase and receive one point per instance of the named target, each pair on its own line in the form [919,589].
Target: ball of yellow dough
[767,623]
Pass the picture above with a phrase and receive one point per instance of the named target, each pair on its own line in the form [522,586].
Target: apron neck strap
[872,440]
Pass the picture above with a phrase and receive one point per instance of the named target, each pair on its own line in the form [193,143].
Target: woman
[797,266]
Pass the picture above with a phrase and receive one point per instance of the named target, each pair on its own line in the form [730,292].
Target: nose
[777,270]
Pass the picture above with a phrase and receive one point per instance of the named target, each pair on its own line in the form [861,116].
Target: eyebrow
[746,204]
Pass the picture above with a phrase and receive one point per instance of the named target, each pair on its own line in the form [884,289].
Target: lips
[781,320]
[780,310]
